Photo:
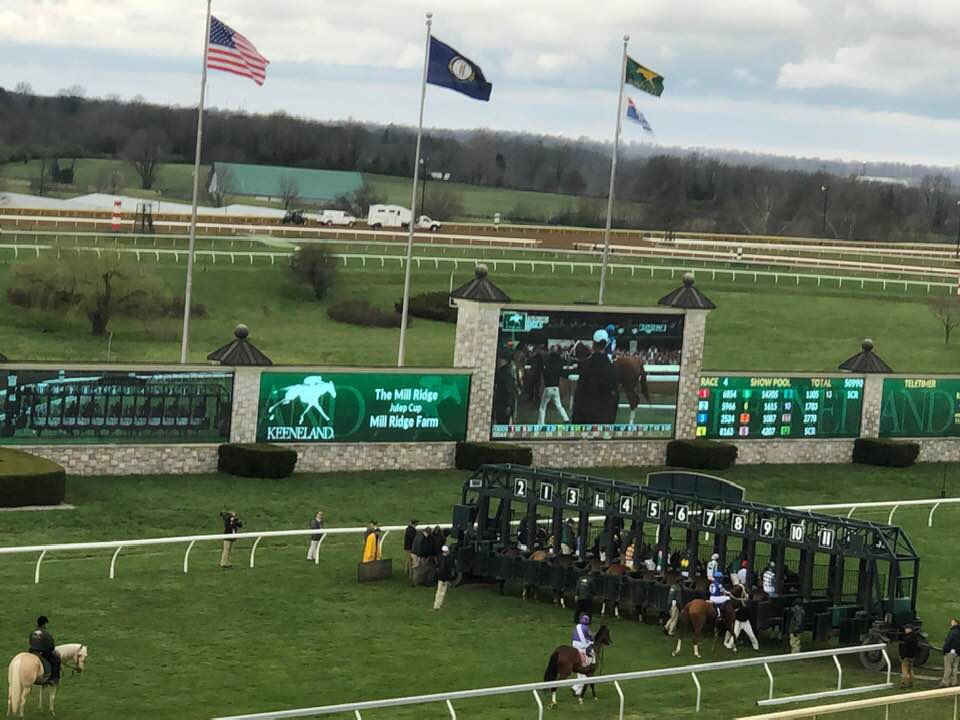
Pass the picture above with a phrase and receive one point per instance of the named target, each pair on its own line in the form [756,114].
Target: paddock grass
[169,646]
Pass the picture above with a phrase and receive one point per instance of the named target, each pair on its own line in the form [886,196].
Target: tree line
[656,187]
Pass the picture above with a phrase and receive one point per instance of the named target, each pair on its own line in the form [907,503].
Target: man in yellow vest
[371,545]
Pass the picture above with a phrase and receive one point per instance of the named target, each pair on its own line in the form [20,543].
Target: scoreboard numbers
[520,487]
[546,492]
[776,407]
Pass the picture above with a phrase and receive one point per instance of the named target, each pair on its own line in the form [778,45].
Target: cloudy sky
[853,79]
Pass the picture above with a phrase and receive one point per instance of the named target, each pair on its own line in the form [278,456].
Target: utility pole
[957,255]
[825,189]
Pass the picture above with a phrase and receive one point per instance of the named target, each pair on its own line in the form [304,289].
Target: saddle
[586,657]
[46,670]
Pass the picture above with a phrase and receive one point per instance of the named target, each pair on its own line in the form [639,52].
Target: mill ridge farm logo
[309,394]
[403,401]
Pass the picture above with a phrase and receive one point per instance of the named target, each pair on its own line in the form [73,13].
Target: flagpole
[188,292]
[413,202]
[613,172]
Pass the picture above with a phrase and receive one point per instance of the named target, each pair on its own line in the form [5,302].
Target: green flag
[643,78]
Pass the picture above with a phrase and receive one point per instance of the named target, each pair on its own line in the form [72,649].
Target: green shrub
[701,454]
[359,312]
[256,460]
[890,453]
[316,267]
[430,306]
[471,455]
[27,479]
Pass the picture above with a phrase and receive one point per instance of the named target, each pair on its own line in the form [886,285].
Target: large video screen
[920,407]
[770,407]
[336,407]
[95,406]
[579,374]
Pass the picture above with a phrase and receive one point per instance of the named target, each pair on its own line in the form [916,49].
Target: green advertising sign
[920,407]
[362,407]
[70,406]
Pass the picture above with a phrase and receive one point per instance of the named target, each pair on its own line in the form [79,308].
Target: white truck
[335,217]
[396,216]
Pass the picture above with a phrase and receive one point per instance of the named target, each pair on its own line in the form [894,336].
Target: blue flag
[637,116]
[448,68]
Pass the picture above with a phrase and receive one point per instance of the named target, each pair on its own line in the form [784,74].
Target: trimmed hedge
[27,479]
[256,460]
[471,455]
[890,453]
[701,454]
[359,312]
[430,306]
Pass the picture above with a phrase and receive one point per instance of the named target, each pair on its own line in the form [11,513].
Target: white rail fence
[257,536]
[515,265]
[613,679]
[190,540]
[885,702]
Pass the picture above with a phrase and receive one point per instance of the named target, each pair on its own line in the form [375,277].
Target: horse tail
[15,690]
[550,673]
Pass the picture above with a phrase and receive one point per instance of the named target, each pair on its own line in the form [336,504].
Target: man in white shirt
[769,580]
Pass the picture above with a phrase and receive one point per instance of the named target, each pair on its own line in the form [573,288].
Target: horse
[632,377]
[565,661]
[309,393]
[696,615]
[26,670]
[616,569]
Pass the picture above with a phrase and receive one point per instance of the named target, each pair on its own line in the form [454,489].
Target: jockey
[718,594]
[42,644]
[713,566]
[583,640]
[769,580]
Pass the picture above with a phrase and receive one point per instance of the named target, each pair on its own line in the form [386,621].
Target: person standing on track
[908,651]
[951,654]
[673,602]
[446,574]
[316,524]
[795,625]
[409,535]
[231,526]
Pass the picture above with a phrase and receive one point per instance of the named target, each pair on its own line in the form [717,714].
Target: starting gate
[848,573]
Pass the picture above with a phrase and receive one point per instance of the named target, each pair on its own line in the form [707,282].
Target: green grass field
[755,327]
[169,646]
[174,182]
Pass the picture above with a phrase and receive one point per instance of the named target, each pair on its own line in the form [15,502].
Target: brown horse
[698,614]
[632,377]
[565,661]
[618,570]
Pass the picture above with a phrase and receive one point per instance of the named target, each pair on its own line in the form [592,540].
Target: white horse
[26,670]
[309,393]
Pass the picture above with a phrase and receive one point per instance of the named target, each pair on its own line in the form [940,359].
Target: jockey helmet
[714,557]
[584,619]
[42,620]
[600,336]
[744,563]
[772,564]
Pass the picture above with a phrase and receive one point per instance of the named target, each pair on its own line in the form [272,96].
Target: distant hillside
[658,187]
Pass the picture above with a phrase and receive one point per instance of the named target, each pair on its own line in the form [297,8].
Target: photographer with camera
[231,525]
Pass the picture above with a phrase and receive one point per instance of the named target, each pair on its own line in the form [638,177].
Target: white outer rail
[692,670]
[894,505]
[118,545]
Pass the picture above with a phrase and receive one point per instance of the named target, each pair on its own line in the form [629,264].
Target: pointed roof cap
[687,297]
[865,361]
[239,351]
[480,289]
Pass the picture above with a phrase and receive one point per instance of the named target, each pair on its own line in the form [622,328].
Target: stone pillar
[476,350]
[246,398]
[691,363]
[872,399]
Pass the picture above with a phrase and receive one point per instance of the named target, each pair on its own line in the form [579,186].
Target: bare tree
[145,149]
[222,184]
[947,311]
[23,88]
[289,191]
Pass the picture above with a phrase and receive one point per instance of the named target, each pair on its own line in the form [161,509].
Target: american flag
[232,52]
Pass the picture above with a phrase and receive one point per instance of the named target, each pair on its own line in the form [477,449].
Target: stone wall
[475,348]
[691,363]
[130,459]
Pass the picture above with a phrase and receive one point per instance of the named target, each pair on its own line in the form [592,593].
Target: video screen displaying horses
[571,374]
